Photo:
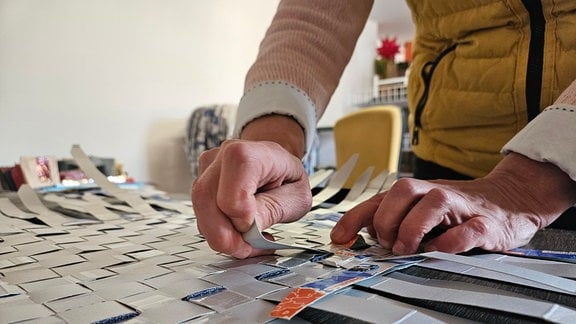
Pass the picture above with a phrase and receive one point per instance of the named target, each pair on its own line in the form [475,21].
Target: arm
[526,191]
[260,178]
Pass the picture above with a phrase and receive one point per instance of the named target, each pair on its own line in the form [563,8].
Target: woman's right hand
[245,181]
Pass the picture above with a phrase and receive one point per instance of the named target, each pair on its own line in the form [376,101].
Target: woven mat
[106,260]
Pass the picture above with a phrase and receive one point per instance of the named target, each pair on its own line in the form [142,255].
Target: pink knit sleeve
[568,96]
[308,44]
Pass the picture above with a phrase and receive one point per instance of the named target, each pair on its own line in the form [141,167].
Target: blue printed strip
[544,254]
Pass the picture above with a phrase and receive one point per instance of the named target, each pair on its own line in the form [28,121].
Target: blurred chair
[174,145]
[207,128]
[375,133]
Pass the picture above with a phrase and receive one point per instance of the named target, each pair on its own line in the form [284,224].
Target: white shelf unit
[390,90]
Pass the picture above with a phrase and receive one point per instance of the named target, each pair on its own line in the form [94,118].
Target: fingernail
[242,253]
[386,244]
[338,232]
[399,248]
[430,248]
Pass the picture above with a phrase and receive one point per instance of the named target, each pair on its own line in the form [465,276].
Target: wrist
[281,129]
[546,184]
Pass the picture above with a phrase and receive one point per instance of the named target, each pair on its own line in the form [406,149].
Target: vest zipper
[426,74]
[535,57]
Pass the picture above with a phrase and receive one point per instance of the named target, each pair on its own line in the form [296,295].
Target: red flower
[389,48]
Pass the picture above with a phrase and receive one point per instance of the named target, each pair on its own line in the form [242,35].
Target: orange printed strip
[295,301]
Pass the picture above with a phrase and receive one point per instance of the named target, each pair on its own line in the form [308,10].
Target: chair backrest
[375,133]
[207,128]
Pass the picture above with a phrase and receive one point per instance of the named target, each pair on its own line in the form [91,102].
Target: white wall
[101,73]
[357,77]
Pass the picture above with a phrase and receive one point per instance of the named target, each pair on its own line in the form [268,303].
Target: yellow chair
[375,133]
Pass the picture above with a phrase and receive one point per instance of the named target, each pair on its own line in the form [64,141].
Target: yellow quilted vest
[481,70]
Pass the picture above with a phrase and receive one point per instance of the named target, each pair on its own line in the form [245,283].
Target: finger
[221,236]
[433,209]
[397,203]
[211,221]
[206,158]
[354,220]
[473,233]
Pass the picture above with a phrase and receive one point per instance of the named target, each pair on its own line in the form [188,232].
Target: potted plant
[384,62]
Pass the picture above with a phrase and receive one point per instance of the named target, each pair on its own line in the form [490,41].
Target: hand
[246,181]
[500,211]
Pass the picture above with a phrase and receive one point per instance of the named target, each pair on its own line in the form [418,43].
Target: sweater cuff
[277,97]
[551,137]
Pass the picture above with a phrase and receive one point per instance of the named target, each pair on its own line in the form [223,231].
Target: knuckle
[206,157]
[235,149]
[207,154]
[405,186]
[274,212]
[439,194]
[439,199]
[240,207]
[479,227]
